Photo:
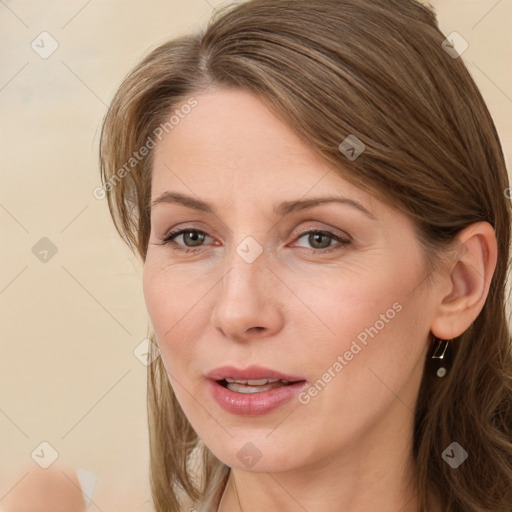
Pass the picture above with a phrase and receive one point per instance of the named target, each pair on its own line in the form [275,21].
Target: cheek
[172,300]
[342,308]
[369,320]
[174,304]
[378,350]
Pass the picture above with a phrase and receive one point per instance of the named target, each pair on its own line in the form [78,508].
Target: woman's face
[331,294]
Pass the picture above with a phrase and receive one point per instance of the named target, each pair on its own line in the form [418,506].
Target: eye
[322,241]
[191,239]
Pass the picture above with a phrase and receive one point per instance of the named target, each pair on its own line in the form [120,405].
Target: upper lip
[250,373]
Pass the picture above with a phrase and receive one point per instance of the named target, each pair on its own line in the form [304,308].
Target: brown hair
[375,69]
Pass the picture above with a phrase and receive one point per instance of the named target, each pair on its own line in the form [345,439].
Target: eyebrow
[281,209]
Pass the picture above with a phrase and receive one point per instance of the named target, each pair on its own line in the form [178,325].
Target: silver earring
[439,356]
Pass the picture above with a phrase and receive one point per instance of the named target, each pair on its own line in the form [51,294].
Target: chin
[254,453]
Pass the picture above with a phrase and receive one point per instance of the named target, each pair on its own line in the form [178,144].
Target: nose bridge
[245,272]
[243,301]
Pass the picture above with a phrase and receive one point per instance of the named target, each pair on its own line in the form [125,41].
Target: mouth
[254,379]
[254,390]
[254,385]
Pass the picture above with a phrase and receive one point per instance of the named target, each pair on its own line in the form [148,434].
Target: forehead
[230,143]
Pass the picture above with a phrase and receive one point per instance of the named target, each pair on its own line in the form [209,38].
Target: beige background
[68,375]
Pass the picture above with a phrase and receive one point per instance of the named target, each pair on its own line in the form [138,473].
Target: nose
[247,302]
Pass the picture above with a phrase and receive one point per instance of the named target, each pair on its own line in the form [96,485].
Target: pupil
[193,236]
[317,237]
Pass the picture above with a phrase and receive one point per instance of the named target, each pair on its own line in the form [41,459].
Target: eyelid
[327,231]
[174,233]
[180,228]
[341,241]
[180,231]
[171,235]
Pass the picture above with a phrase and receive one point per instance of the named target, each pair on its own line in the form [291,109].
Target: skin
[296,311]
[55,489]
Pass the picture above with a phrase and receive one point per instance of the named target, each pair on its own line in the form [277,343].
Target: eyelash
[169,240]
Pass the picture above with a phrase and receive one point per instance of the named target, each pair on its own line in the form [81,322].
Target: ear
[468,277]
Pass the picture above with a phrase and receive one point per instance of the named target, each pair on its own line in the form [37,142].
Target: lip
[250,373]
[252,404]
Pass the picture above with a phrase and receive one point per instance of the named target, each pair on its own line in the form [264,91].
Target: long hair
[377,70]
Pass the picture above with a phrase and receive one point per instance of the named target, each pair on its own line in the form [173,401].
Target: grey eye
[193,238]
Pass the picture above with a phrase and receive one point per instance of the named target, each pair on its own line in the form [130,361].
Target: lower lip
[254,404]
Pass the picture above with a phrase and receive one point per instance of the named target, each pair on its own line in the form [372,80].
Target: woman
[319,197]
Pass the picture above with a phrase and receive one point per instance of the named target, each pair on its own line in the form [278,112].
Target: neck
[280,492]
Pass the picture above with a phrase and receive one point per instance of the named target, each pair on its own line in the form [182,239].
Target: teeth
[259,382]
[244,388]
